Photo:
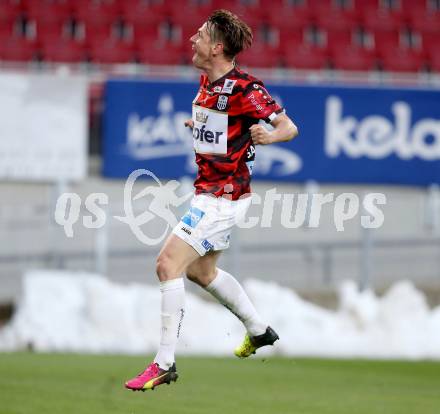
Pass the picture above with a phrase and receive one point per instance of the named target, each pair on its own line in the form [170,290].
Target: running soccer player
[225,116]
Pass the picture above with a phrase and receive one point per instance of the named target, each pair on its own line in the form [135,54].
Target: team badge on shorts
[192,217]
[222,102]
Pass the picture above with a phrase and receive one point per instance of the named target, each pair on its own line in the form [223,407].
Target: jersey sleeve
[258,104]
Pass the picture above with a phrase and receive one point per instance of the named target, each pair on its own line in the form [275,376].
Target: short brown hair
[226,27]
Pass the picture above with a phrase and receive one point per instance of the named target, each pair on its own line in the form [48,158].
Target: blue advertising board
[347,134]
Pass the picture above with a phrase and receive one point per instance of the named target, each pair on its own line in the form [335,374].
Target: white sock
[226,289]
[172,308]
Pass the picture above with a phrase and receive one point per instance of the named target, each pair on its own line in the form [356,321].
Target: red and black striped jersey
[223,112]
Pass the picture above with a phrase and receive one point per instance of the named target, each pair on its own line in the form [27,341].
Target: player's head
[222,37]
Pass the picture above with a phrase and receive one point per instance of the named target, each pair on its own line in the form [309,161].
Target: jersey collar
[218,81]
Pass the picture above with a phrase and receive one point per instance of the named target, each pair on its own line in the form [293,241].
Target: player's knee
[164,268]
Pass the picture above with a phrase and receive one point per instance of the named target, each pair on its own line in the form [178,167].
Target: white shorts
[207,224]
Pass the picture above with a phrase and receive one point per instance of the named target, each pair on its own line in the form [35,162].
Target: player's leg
[229,292]
[172,261]
[203,270]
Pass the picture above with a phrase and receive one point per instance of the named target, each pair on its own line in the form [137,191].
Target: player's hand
[260,135]
[189,123]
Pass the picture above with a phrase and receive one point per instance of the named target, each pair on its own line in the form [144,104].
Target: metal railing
[40,242]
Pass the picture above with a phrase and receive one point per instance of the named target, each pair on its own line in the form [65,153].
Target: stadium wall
[309,260]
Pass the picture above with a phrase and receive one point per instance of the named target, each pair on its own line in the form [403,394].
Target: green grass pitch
[80,384]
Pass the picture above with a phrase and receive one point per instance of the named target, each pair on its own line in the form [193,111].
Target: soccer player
[225,124]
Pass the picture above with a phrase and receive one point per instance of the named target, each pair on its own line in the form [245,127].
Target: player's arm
[284,130]
[189,123]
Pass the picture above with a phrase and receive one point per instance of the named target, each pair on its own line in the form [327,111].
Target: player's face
[201,44]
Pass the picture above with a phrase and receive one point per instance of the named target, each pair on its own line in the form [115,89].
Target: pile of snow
[62,311]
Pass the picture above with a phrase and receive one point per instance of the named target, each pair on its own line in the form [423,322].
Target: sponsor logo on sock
[182,314]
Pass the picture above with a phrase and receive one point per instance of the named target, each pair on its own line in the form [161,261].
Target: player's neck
[219,70]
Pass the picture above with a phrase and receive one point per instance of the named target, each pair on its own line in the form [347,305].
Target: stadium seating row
[397,35]
[377,13]
[302,55]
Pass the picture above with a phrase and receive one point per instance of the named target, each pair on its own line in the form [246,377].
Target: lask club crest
[222,102]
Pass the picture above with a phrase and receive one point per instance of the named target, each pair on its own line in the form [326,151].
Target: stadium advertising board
[347,134]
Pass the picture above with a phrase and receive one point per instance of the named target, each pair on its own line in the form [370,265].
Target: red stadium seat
[10,14]
[51,19]
[287,17]
[90,33]
[431,41]
[403,60]
[382,19]
[259,56]
[47,10]
[160,53]
[111,50]
[17,49]
[271,5]
[384,40]
[362,5]
[7,30]
[353,58]
[141,12]
[51,33]
[305,57]
[108,10]
[292,36]
[434,59]
[144,10]
[314,5]
[96,19]
[145,35]
[9,10]
[63,50]
[414,6]
[5,33]
[190,13]
[336,18]
[425,21]
[338,38]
